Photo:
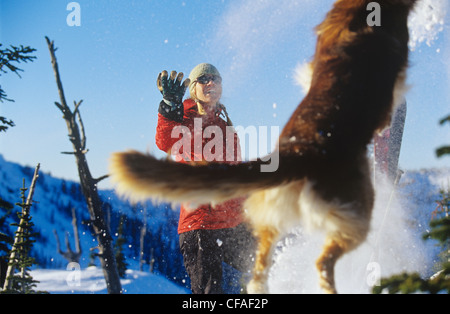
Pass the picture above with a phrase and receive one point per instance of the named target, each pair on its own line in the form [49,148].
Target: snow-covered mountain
[51,211]
[401,216]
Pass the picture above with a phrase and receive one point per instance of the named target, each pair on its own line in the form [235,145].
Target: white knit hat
[199,70]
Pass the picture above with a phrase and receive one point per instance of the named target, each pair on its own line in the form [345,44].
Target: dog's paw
[257,287]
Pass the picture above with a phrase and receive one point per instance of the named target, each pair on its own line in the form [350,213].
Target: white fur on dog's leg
[257,287]
[267,237]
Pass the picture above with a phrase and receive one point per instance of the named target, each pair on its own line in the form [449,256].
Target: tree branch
[83,133]
[63,105]
[77,105]
[74,153]
[60,107]
[101,178]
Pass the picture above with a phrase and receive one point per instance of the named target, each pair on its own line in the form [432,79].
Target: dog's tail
[139,176]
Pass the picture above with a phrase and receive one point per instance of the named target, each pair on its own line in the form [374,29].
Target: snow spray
[391,247]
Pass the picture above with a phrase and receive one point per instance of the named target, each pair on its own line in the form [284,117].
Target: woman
[209,235]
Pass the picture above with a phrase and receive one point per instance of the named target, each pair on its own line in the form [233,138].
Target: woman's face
[208,89]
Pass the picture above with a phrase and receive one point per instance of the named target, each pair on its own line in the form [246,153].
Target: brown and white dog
[323,178]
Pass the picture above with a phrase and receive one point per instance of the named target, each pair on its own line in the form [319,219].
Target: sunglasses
[205,79]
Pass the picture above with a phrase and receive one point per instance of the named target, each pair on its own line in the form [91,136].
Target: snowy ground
[92,281]
[394,244]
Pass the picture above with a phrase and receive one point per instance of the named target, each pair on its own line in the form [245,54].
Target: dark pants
[204,251]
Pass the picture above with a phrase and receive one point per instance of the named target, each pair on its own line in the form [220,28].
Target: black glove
[172,88]
[173,92]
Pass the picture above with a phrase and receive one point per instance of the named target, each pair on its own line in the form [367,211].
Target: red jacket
[196,137]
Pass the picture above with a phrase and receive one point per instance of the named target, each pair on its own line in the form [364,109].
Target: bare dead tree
[151,260]
[70,255]
[77,136]
[142,239]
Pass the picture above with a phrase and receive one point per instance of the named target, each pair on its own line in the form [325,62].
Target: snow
[91,281]
[427,21]
[394,244]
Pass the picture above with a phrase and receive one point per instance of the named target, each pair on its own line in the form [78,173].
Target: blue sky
[112,59]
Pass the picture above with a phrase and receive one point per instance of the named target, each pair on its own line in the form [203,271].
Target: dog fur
[323,177]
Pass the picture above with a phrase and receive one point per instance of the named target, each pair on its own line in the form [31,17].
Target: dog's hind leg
[332,250]
[267,238]
[337,244]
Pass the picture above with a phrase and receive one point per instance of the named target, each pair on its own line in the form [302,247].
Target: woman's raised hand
[172,88]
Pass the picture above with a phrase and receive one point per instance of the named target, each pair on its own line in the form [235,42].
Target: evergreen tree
[20,259]
[444,150]
[441,227]
[5,240]
[118,249]
[8,57]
